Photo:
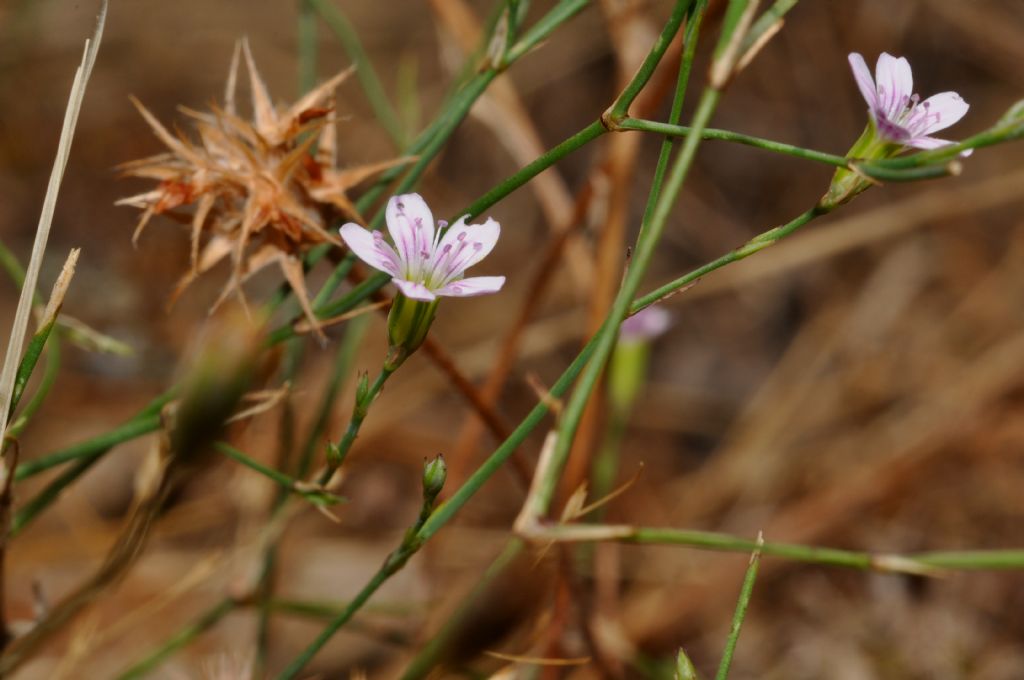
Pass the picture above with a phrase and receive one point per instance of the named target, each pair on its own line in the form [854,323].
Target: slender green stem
[741,611]
[620,107]
[349,39]
[983,560]
[208,620]
[338,452]
[313,495]
[641,125]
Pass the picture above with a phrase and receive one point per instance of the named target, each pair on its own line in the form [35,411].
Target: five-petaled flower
[426,263]
[899,115]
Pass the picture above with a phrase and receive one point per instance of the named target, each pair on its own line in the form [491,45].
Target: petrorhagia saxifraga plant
[897,120]
[426,263]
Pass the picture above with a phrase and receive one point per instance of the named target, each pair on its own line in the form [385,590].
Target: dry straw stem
[24,309]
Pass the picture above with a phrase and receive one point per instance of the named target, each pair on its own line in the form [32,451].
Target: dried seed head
[254,189]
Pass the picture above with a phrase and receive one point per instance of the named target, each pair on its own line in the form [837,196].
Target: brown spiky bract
[256,189]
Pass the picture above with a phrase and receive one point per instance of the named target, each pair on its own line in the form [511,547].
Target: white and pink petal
[371,248]
[411,225]
[895,84]
[940,111]
[865,82]
[414,290]
[473,286]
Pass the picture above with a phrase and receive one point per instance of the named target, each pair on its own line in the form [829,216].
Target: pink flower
[423,263]
[900,116]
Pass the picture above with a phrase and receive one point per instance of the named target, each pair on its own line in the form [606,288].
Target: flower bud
[362,387]
[434,474]
[408,324]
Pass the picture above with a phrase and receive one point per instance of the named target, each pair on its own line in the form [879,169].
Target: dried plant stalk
[21,317]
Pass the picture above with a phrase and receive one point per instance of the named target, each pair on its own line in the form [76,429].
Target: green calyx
[847,182]
[408,324]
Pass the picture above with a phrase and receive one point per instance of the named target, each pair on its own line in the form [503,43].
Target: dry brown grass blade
[24,309]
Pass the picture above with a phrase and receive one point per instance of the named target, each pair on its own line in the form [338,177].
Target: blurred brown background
[858,386]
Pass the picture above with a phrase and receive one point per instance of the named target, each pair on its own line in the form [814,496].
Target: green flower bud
[434,474]
[684,667]
[362,387]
